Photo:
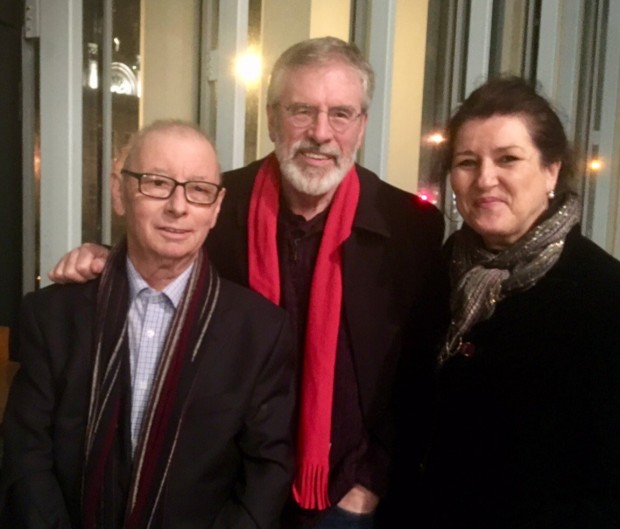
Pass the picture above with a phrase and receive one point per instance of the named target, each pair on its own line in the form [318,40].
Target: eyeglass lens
[340,118]
[158,186]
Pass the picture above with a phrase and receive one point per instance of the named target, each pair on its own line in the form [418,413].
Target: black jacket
[528,432]
[394,294]
[233,463]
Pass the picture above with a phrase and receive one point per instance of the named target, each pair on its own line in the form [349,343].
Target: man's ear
[363,121]
[116,187]
[271,122]
[217,206]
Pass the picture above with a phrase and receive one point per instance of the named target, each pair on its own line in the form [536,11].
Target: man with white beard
[356,262]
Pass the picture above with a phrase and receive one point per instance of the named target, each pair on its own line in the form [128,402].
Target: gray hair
[320,52]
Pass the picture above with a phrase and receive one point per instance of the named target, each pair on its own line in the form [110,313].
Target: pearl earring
[551,194]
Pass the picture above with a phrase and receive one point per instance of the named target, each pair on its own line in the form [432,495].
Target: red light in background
[428,194]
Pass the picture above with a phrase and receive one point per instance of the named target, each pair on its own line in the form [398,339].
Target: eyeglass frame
[315,114]
[140,176]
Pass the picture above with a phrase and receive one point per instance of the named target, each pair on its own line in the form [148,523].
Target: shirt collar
[292,222]
[173,291]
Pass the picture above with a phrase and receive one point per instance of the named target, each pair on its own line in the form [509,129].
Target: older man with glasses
[356,263]
[160,396]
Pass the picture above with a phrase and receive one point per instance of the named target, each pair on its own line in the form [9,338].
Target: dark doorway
[10,161]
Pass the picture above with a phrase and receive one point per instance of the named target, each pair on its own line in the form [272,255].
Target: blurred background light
[595,164]
[248,67]
[435,138]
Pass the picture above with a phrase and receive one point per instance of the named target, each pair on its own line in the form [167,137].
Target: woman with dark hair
[528,419]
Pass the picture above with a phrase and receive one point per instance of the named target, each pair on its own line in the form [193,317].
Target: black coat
[528,431]
[394,293]
[233,463]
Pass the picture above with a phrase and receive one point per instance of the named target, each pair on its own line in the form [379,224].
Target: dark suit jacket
[529,427]
[233,464]
[394,289]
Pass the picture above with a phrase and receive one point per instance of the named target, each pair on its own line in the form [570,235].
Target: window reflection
[121,80]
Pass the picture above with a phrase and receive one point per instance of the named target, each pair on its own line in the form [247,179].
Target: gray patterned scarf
[481,278]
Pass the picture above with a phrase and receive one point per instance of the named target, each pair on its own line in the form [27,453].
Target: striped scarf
[137,506]
[482,278]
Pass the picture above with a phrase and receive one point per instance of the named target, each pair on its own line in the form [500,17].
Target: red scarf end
[310,487]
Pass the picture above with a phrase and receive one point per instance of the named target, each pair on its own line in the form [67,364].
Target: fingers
[97,265]
[79,265]
[61,273]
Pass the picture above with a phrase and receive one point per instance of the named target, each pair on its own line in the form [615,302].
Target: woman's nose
[487,174]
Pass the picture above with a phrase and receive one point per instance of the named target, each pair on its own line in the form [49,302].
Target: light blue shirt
[149,318]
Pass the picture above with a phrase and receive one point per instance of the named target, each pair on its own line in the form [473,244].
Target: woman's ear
[553,171]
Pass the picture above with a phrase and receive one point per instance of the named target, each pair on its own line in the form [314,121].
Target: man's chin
[316,186]
[312,181]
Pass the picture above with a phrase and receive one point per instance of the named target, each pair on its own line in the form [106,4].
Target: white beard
[312,181]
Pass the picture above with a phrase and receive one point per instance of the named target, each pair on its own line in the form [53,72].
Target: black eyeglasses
[160,186]
[340,119]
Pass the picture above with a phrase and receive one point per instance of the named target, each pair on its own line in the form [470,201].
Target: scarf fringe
[310,487]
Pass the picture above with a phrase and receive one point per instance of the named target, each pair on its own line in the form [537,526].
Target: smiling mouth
[319,156]
[174,231]
[488,201]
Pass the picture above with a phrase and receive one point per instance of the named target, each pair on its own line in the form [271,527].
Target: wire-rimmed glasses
[340,118]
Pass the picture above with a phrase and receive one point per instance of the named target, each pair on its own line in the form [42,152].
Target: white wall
[407,93]
[170,60]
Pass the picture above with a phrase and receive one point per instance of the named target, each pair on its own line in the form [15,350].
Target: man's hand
[359,500]
[80,265]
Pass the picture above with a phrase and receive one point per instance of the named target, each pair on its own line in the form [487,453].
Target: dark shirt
[350,459]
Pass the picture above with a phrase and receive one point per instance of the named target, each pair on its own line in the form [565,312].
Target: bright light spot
[428,194]
[436,138]
[248,67]
[93,75]
[595,165]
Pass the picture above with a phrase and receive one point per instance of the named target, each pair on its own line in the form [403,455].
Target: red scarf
[317,384]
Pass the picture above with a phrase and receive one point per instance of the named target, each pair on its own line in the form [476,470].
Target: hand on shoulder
[81,264]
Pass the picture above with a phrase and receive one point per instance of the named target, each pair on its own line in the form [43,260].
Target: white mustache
[316,149]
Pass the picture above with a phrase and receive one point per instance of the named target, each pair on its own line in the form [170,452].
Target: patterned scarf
[319,359]
[138,506]
[482,278]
